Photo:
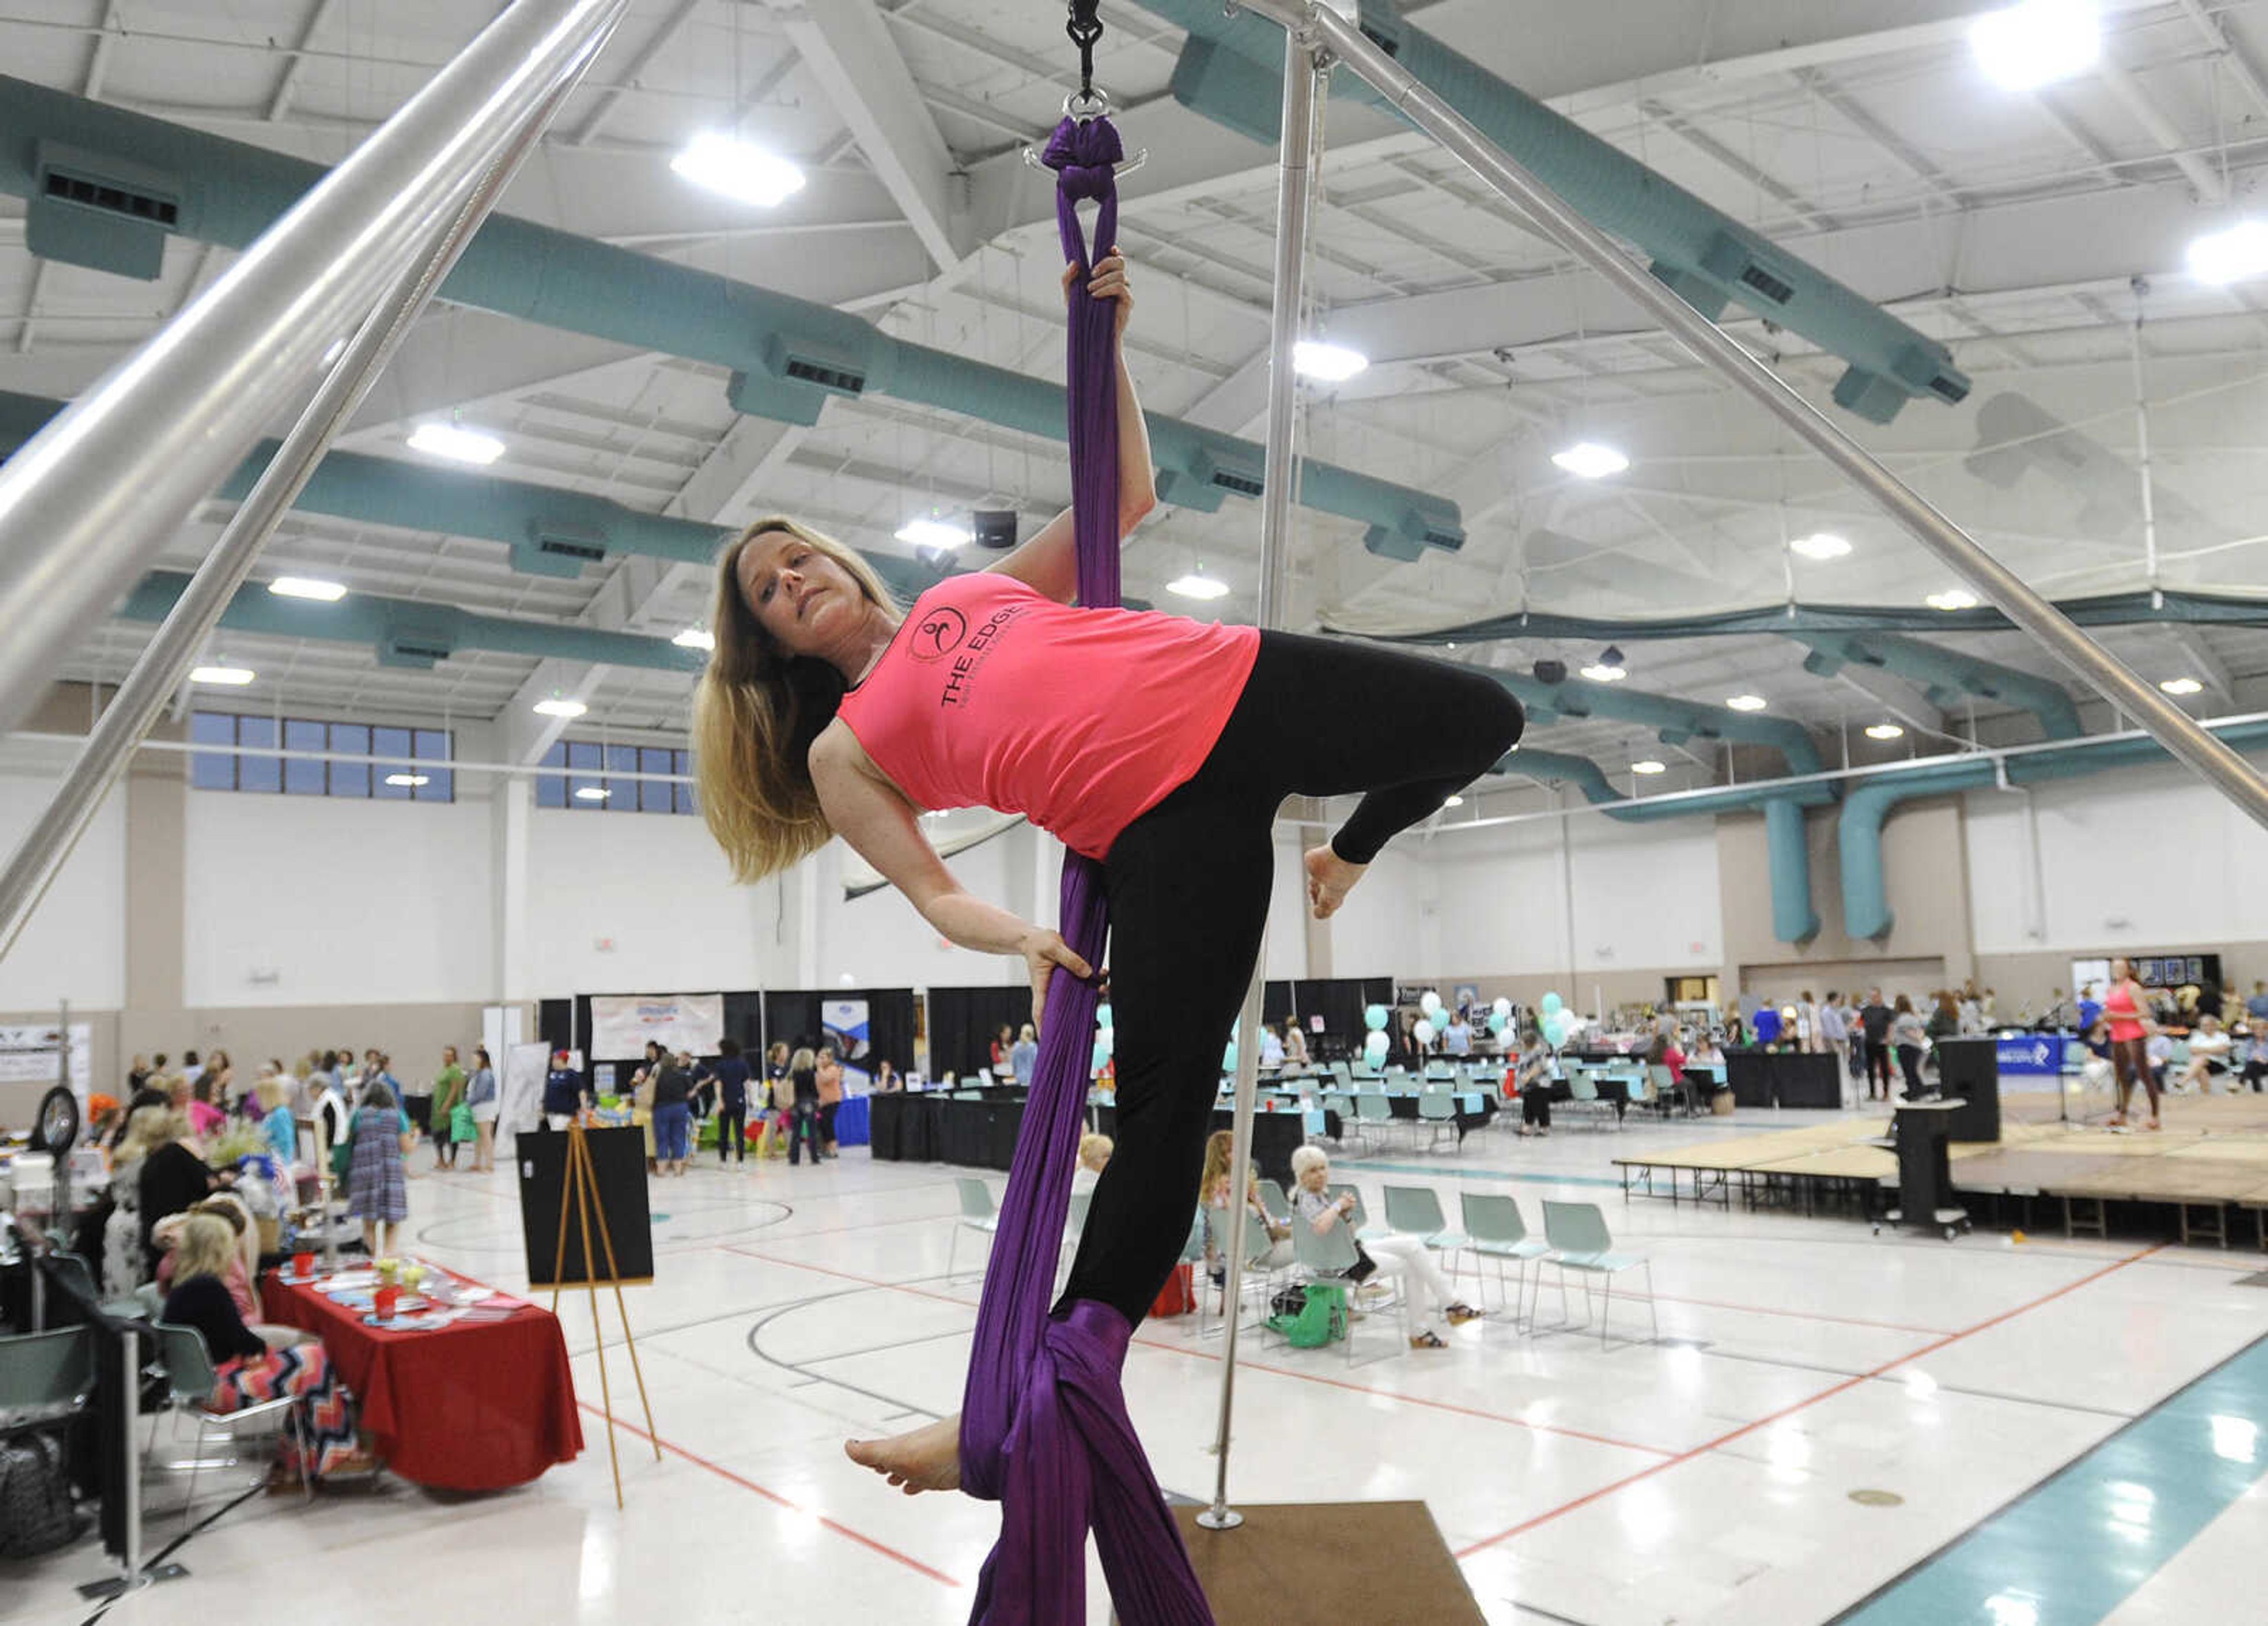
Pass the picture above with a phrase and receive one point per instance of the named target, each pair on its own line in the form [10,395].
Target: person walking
[1024,1055]
[448,1092]
[1835,1037]
[482,1101]
[803,1106]
[2126,1007]
[377,1191]
[671,1084]
[829,1079]
[1909,1035]
[1874,1033]
[729,1073]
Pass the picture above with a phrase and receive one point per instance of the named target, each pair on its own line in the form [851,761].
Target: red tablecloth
[475,1406]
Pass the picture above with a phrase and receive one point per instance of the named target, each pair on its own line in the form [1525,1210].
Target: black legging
[1188,884]
[732,1132]
[1878,1067]
[1909,1061]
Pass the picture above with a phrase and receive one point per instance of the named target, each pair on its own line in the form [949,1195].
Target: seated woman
[2209,1051]
[1214,1189]
[321,1432]
[1402,1257]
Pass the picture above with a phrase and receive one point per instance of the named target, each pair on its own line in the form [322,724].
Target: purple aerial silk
[1044,1426]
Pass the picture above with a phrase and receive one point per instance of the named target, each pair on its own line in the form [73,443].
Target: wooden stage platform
[2210,1161]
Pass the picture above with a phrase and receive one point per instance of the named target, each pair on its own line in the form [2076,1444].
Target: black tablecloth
[1783,1078]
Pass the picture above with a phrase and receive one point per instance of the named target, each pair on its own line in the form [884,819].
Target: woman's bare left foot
[1330,878]
[923,1459]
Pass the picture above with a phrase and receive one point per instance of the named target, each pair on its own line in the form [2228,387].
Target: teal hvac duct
[1674,721]
[105,187]
[1231,71]
[1858,837]
[551,532]
[1946,675]
[1793,918]
[408,632]
[2116,609]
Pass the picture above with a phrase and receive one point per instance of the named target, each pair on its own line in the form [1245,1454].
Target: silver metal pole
[163,666]
[89,503]
[2167,722]
[2142,448]
[1295,187]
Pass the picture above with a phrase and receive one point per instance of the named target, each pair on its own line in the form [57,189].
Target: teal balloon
[1553,1004]
[1373,1049]
[1373,1018]
[1555,1030]
[1102,1014]
[1228,1058]
[1497,1023]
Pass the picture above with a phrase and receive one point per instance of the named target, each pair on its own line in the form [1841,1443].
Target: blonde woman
[1215,1188]
[1156,746]
[320,1433]
[803,1106]
[1425,1293]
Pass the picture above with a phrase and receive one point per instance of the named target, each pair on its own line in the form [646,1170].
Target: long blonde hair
[755,713]
[206,1247]
[147,1130]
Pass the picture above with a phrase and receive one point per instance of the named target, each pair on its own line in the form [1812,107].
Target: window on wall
[597,778]
[413,769]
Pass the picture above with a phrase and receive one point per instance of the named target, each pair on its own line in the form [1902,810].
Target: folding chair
[976,1214]
[1437,1107]
[1414,1210]
[1329,1256]
[189,1384]
[1579,1241]
[1371,1112]
[1273,1200]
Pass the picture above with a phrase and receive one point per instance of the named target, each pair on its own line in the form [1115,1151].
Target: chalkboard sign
[617,1172]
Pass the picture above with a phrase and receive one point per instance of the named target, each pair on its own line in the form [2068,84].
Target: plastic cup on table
[382,1302]
[303,1266]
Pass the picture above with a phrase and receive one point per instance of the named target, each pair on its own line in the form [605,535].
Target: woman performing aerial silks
[1158,749]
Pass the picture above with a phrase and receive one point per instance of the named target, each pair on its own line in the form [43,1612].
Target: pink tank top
[994,695]
[2125,1021]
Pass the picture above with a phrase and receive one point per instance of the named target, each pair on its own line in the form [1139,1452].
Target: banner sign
[622,1026]
[845,1022]
[28,1054]
[2031,1053]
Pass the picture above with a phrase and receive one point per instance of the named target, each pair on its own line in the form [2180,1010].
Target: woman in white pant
[1426,1296]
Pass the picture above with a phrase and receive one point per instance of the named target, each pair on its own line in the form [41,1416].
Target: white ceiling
[1860,135]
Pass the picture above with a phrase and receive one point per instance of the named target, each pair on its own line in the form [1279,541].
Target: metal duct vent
[1950,387]
[114,200]
[1243,484]
[1450,540]
[840,380]
[582,553]
[1764,282]
[415,650]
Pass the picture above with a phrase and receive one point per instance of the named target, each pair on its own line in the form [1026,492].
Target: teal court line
[2070,1549]
[1367,1166]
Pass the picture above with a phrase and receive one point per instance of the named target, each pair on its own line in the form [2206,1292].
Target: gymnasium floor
[1708,1478]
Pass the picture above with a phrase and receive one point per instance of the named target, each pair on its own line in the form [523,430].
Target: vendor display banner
[28,1051]
[2033,1053]
[845,1022]
[622,1026]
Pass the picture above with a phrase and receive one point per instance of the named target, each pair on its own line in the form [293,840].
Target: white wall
[74,948]
[880,941]
[351,903]
[2142,857]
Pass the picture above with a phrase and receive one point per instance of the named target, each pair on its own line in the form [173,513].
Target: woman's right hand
[1044,950]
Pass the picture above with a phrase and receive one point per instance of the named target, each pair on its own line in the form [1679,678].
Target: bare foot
[924,1458]
[1330,878]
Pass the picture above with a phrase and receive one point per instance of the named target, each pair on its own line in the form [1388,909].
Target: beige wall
[2021,980]
[1927,875]
[1586,990]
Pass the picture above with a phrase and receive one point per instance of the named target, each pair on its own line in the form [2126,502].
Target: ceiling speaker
[995,527]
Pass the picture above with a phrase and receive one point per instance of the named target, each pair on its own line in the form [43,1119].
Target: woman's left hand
[1107,282]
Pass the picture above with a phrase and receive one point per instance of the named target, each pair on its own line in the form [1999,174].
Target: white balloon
[1502,1007]
[1373,1048]
[1430,1003]
[1425,1031]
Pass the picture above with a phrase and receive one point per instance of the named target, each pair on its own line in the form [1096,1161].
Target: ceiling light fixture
[307,587]
[408,780]
[2232,254]
[1952,599]
[1330,364]
[1198,584]
[696,638]
[591,793]
[1609,669]
[1886,731]
[1747,702]
[1649,766]
[931,532]
[2037,42]
[230,677]
[1822,545]
[1455,801]
[561,708]
[458,445]
[1587,460]
[2182,686]
[745,173]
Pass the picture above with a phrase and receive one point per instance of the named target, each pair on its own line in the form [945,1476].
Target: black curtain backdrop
[555,1021]
[794,1016]
[1339,1001]
[962,1020]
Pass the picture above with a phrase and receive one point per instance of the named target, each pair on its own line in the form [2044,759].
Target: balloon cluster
[1499,1016]
[1374,1043]
[1555,1020]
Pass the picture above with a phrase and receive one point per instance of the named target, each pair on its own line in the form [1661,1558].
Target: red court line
[722,1472]
[1828,1393]
[1253,1365]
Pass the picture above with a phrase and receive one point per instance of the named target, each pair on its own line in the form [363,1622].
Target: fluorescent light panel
[1588,460]
[1331,364]
[1952,599]
[931,533]
[408,780]
[2233,255]
[745,173]
[1747,702]
[593,793]
[230,677]
[1649,766]
[561,708]
[696,638]
[1599,672]
[1886,731]
[2182,686]
[2037,42]
[1823,545]
[457,443]
[1198,584]
[307,587]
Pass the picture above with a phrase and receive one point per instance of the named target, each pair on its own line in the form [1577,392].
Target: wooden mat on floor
[1349,1563]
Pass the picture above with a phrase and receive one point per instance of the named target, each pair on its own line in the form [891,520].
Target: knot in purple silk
[1084,153]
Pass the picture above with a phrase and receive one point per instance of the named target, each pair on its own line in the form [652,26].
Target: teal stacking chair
[1437,1109]
[1414,1210]
[1335,1189]
[1579,1240]
[1376,1117]
[976,1214]
[1273,1199]
[1329,1256]
[1495,1229]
